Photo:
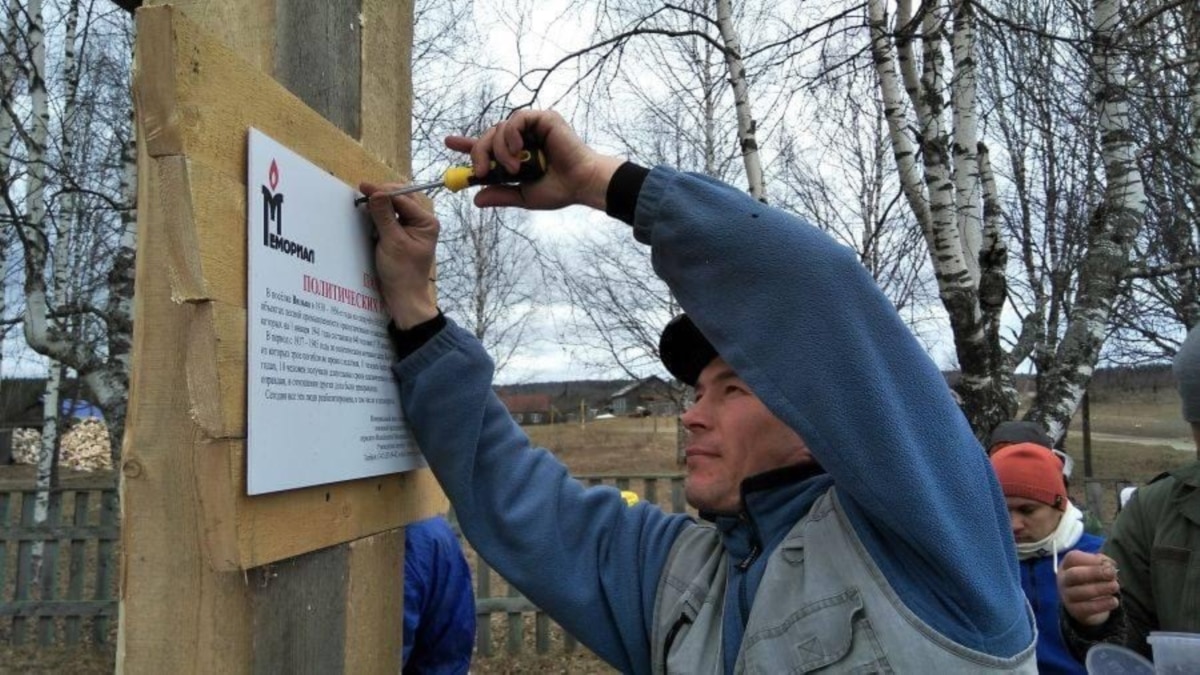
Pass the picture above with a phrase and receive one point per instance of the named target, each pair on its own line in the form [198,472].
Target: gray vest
[822,604]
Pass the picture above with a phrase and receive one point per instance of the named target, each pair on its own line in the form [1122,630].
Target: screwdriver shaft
[421,187]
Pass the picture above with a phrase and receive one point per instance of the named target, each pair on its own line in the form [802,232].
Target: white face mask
[1066,535]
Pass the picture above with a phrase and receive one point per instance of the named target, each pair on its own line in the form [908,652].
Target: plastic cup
[1175,653]
[1105,659]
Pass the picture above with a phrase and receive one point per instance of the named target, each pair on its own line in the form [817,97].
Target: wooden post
[214,581]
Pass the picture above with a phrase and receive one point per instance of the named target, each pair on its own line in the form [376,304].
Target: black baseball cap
[684,350]
[1015,431]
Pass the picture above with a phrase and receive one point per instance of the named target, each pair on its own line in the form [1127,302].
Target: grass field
[648,445]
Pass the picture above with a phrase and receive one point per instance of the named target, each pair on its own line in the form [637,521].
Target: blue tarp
[80,409]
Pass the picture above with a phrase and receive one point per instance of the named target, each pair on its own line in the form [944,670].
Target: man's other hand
[1088,587]
[404,254]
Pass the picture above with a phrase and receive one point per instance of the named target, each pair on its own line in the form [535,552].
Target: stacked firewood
[84,446]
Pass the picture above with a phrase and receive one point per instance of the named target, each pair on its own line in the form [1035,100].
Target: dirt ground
[647,445]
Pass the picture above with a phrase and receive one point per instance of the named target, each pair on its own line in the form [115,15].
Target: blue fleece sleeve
[581,554]
[801,321]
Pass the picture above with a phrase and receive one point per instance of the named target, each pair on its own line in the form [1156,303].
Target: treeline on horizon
[20,397]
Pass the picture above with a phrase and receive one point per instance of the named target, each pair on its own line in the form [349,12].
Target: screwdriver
[533,167]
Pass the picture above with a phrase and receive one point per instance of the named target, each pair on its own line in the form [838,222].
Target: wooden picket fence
[71,599]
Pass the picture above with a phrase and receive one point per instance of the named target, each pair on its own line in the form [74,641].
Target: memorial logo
[272,218]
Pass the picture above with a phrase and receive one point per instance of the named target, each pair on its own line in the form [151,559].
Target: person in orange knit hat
[1046,526]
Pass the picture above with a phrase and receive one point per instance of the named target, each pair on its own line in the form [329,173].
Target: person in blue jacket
[439,604]
[850,520]
[1046,526]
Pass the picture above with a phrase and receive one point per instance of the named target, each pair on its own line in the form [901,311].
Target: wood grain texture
[247,27]
[174,606]
[202,586]
[299,609]
[387,33]
[216,97]
[201,200]
[374,610]
[317,57]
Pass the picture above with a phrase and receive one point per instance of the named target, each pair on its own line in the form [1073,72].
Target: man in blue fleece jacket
[852,521]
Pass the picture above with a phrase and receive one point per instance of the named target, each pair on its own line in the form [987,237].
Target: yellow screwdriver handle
[533,167]
[458,177]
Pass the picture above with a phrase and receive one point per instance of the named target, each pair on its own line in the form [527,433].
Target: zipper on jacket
[750,558]
[682,621]
[744,566]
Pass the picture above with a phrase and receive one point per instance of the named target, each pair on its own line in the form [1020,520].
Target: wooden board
[195,101]
[213,581]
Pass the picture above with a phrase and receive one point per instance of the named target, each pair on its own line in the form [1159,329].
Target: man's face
[732,436]
[1031,520]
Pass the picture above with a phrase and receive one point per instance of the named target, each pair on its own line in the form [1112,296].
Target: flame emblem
[273,175]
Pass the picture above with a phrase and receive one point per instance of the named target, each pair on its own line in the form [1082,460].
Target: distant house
[528,408]
[650,396]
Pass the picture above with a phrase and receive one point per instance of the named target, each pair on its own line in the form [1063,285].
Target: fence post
[4,503]
[24,566]
[483,631]
[49,572]
[542,632]
[651,495]
[516,625]
[104,559]
[76,567]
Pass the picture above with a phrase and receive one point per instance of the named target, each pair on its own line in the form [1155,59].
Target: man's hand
[1088,587]
[404,254]
[576,174]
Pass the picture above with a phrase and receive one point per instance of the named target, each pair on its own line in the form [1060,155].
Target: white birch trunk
[747,127]
[947,197]
[710,116]
[911,181]
[1114,226]
[65,225]
[948,259]
[35,208]
[45,463]
[993,252]
[966,136]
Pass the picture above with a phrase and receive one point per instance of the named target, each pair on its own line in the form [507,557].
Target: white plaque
[322,403]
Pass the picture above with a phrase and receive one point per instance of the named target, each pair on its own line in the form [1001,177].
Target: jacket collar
[772,502]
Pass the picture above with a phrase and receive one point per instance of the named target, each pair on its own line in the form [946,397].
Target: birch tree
[1113,227]
[942,172]
[75,220]
[973,300]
